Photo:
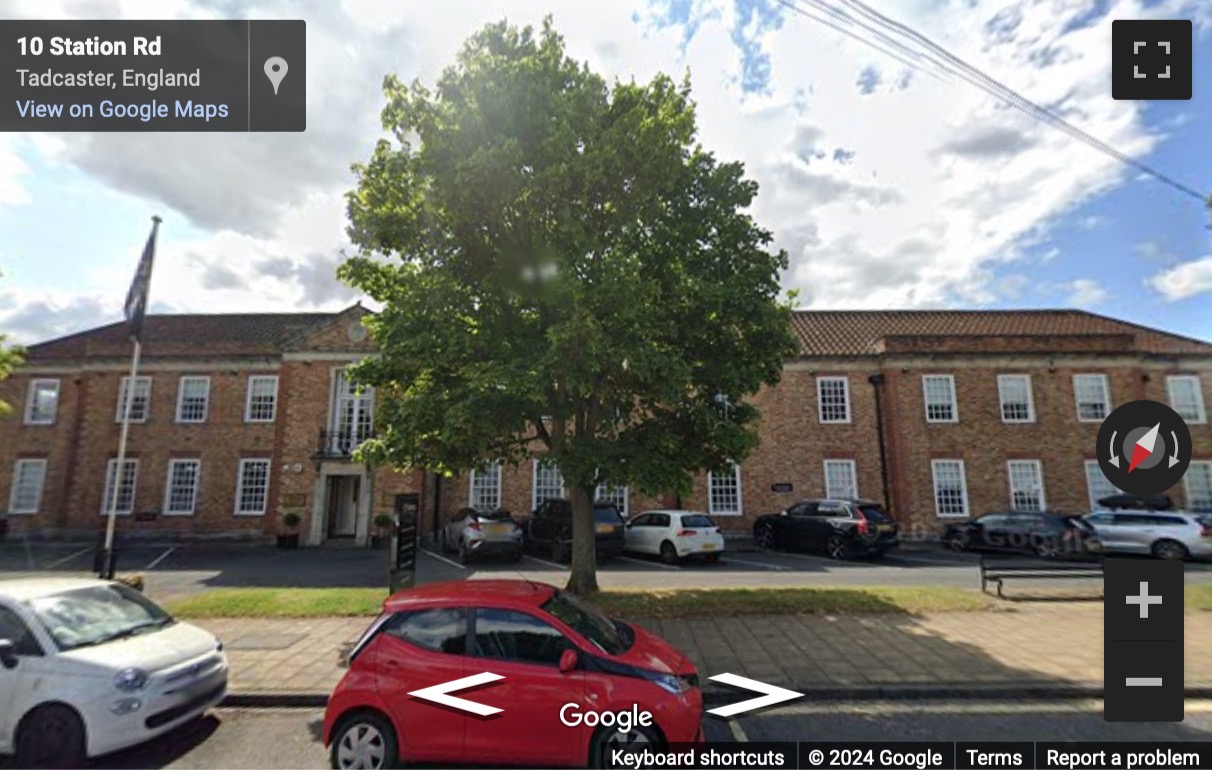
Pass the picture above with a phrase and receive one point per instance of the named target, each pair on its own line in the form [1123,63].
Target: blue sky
[889,187]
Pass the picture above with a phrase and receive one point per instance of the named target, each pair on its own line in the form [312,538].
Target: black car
[549,529]
[840,528]
[1048,535]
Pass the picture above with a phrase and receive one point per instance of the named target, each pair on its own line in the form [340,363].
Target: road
[270,739]
[175,571]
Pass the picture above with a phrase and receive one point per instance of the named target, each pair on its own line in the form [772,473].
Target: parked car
[674,535]
[1168,535]
[1124,501]
[842,529]
[88,667]
[549,530]
[471,533]
[1047,535]
[559,657]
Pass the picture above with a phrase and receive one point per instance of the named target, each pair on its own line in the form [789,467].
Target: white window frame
[963,475]
[124,388]
[740,504]
[1077,401]
[1002,380]
[1094,474]
[248,398]
[472,495]
[31,400]
[610,494]
[181,383]
[950,379]
[1201,413]
[853,477]
[539,464]
[1038,467]
[112,478]
[245,463]
[1205,467]
[820,399]
[168,486]
[18,469]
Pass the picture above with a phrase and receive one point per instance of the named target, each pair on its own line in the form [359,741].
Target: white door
[14,682]
[352,414]
[343,506]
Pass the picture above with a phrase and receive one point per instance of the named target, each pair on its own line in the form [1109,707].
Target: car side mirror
[568,661]
[8,654]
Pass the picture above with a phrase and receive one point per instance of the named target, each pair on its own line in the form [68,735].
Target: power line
[951,64]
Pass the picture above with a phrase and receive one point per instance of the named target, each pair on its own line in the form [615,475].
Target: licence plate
[605,529]
[886,528]
[708,546]
[496,528]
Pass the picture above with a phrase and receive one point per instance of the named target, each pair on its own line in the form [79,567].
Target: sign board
[783,486]
[404,554]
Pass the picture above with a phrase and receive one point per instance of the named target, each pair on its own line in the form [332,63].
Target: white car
[88,667]
[674,535]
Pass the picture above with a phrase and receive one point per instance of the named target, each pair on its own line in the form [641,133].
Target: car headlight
[668,682]
[131,679]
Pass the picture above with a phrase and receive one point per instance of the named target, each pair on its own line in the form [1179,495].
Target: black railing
[341,443]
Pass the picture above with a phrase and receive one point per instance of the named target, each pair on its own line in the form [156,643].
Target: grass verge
[324,602]
[1199,597]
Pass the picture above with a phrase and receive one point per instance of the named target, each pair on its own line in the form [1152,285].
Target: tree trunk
[584,578]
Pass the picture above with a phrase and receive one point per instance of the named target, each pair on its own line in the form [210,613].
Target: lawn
[1199,597]
[323,602]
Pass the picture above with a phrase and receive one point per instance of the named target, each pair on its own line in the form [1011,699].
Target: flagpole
[106,570]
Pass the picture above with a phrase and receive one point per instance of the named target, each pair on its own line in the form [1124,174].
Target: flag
[136,297]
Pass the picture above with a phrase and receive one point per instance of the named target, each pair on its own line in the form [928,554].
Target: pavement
[1046,650]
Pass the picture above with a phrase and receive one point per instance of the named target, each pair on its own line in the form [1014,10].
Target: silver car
[470,533]
[1164,534]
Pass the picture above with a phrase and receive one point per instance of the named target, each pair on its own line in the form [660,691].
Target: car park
[674,535]
[841,529]
[88,667]
[1044,534]
[472,534]
[1162,534]
[549,529]
[563,667]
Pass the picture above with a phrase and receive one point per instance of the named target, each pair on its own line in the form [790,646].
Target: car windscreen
[874,513]
[697,521]
[586,621]
[493,515]
[95,615]
[607,515]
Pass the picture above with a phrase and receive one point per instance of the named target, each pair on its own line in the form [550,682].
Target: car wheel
[712,558]
[517,556]
[51,736]
[1171,550]
[1046,548]
[364,741]
[877,555]
[607,740]
[669,554]
[463,555]
[958,542]
[837,548]
[763,537]
[560,552]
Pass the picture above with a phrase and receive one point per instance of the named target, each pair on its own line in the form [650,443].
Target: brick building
[243,418]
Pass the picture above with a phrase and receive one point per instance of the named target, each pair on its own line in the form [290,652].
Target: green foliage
[563,268]
[384,521]
[10,358]
[291,520]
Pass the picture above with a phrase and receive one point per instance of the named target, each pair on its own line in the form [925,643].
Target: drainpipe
[437,505]
[877,382]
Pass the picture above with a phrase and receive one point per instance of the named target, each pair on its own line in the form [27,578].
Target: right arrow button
[771,695]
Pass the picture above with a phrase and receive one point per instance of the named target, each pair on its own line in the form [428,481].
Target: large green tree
[9,359]
[563,270]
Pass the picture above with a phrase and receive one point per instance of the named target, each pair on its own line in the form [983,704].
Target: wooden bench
[997,571]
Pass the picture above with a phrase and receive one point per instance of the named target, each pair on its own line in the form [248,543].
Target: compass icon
[1144,447]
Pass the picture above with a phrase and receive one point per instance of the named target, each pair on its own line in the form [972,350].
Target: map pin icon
[275,70]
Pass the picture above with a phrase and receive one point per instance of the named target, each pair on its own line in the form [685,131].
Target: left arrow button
[438,693]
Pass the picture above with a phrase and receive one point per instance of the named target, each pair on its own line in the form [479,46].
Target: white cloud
[1085,292]
[921,186]
[1184,280]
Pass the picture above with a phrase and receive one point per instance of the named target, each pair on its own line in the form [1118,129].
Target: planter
[288,541]
[380,542]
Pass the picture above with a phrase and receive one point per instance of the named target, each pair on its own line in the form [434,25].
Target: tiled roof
[173,335]
[858,332]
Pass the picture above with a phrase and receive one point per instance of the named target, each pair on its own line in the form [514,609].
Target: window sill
[249,514]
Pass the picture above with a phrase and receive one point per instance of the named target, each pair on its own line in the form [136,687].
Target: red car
[570,678]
